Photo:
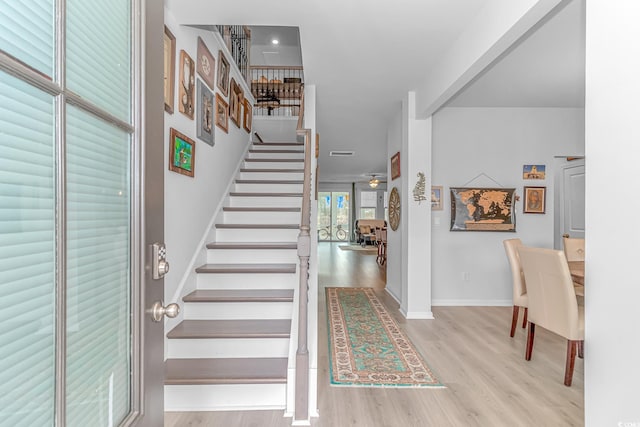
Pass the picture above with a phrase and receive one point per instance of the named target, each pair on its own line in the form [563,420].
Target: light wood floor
[488,381]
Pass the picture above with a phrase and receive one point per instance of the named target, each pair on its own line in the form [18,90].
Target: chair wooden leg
[530,336]
[581,349]
[571,360]
[514,320]
[526,315]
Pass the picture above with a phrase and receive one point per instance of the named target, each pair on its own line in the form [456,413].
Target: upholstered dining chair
[573,248]
[520,298]
[552,301]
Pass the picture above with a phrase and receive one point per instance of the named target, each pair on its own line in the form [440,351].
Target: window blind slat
[98,272]
[27,258]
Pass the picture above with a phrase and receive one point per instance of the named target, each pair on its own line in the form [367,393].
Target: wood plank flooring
[489,384]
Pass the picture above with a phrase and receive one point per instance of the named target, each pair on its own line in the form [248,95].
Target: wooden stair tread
[278,144]
[260,226]
[226,371]
[253,150]
[267,181]
[258,209]
[253,328]
[240,295]
[240,194]
[274,160]
[272,170]
[250,245]
[247,268]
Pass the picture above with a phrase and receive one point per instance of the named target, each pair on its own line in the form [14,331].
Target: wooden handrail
[304,253]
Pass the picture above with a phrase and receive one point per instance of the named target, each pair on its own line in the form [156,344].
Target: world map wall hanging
[482,209]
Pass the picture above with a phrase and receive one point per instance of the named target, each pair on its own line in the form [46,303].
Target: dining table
[576,268]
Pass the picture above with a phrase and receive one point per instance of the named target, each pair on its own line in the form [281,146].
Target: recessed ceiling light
[275,41]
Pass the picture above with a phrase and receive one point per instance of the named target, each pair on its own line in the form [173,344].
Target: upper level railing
[238,41]
[277,90]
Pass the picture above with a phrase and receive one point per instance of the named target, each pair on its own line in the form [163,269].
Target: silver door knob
[158,311]
[163,268]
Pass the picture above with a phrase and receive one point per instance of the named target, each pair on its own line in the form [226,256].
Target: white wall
[612,343]
[394,238]
[275,55]
[190,203]
[497,142]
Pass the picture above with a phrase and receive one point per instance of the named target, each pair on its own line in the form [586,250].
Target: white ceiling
[364,59]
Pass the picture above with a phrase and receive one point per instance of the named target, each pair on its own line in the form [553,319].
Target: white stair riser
[222,397]
[273,165]
[275,155]
[227,348]
[247,281]
[237,310]
[258,256]
[256,235]
[261,217]
[286,176]
[269,188]
[271,201]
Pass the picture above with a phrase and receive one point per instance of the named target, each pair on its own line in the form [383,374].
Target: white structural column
[612,132]
[415,216]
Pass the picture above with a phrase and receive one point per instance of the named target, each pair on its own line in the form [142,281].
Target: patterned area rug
[366,347]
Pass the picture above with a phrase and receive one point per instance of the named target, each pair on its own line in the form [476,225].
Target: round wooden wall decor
[394,209]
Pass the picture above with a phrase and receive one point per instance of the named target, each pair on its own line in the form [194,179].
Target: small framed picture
[187,85]
[436,197]
[533,172]
[182,154]
[222,113]
[247,116]
[206,64]
[204,114]
[395,166]
[169,69]
[223,74]
[236,100]
[535,200]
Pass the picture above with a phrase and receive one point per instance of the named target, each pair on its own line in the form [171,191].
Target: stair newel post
[304,252]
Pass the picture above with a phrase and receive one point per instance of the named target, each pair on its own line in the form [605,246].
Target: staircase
[231,351]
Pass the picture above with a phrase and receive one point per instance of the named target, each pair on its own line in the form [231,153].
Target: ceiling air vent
[341,153]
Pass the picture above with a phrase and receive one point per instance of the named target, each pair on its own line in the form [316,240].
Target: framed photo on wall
[187,85]
[236,99]
[169,69]
[222,113]
[535,200]
[182,154]
[395,166]
[436,197]
[482,209]
[247,116]
[204,116]
[223,74]
[534,171]
[206,64]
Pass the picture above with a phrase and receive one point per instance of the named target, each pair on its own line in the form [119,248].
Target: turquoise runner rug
[366,346]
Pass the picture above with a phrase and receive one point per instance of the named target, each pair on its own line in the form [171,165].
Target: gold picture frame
[247,117]
[222,113]
[535,200]
[236,99]
[169,69]
[182,154]
[223,74]
[187,85]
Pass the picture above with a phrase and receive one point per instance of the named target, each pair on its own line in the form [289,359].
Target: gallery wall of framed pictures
[206,88]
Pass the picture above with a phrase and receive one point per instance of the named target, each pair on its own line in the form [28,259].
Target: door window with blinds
[67,229]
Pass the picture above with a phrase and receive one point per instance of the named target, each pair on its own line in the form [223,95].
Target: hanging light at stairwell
[373,182]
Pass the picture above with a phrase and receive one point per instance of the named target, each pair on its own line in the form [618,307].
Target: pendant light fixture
[373,182]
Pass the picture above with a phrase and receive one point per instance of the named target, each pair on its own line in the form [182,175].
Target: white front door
[76,214]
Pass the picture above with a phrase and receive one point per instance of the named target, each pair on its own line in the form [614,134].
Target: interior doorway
[569,200]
